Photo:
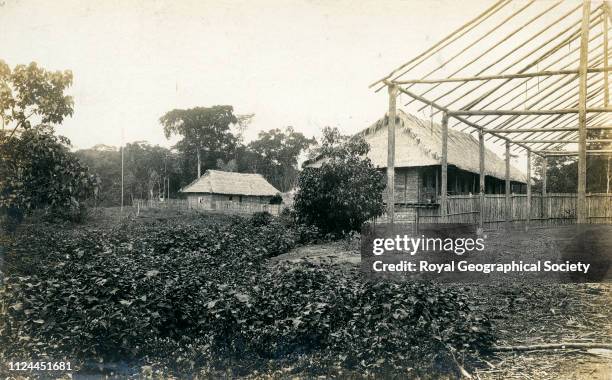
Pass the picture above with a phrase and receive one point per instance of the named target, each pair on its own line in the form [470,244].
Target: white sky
[307,64]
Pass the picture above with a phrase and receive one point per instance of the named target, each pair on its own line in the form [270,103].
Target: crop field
[184,294]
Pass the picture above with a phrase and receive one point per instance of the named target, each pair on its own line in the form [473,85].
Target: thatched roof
[220,182]
[419,143]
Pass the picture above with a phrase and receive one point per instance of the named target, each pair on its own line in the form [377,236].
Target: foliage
[30,91]
[205,131]
[277,155]
[39,172]
[201,297]
[562,172]
[276,199]
[344,192]
[147,168]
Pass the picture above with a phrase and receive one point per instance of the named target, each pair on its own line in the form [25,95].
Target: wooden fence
[226,207]
[552,209]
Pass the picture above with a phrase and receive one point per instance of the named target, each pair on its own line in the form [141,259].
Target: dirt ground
[526,313]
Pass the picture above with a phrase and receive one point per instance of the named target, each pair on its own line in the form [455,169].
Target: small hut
[239,192]
[417,161]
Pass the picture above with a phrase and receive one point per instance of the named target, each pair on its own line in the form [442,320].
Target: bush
[261,218]
[343,193]
[202,297]
[39,172]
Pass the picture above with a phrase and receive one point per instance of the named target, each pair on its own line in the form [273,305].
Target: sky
[305,64]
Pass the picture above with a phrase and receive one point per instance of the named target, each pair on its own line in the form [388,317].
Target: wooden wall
[549,210]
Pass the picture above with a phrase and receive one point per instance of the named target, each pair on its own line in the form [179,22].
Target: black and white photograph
[305,189]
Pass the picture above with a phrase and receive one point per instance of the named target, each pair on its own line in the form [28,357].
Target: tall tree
[37,169]
[279,151]
[31,95]
[204,130]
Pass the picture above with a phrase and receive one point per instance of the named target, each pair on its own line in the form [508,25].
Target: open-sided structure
[531,75]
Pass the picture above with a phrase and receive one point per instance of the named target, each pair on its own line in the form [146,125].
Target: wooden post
[544,185]
[444,166]
[582,95]
[606,13]
[391,154]
[481,156]
[508,204]
[528,190]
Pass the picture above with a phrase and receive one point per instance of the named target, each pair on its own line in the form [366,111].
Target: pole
[121,179]
[508,203]
[544,184]
[528,190]
[444,165]
[582,109]
[606,13]
[481,156]
[393,91]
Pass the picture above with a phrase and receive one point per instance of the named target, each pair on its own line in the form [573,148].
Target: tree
[205,130]
[345,191]
[38,171]
[31,95]
[278,152]
[37,168]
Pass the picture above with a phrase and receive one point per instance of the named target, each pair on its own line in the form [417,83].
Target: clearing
[525,314]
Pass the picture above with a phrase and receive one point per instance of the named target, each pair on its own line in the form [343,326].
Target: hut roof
[419,143]
[220,182]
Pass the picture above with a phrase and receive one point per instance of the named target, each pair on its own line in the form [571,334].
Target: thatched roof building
[418,150]
[241,192]
[419,143]
[230,183]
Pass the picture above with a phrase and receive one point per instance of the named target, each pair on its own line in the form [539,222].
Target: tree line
[211,138]
[39,170]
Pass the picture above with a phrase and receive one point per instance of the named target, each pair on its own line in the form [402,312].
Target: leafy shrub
[200,297]
[38,171]
[341,194]
[261,218]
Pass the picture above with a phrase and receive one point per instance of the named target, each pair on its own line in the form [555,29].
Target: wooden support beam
[501,76]
[582,111]
[482,189]
[528,211]
[446,110]
[391,154]
[565,129]
[561,141]
[528,112]
[544,187]
[446,40]
[552,141]
[444,167]
[544,173]
[508,200]
[606,85]
[573,153]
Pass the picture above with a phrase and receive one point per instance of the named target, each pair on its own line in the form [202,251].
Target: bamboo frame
[529,112]
[501,76]
[582,109]
[573,153]
[557,120]
[444,167]
[565,129]
[391,154]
